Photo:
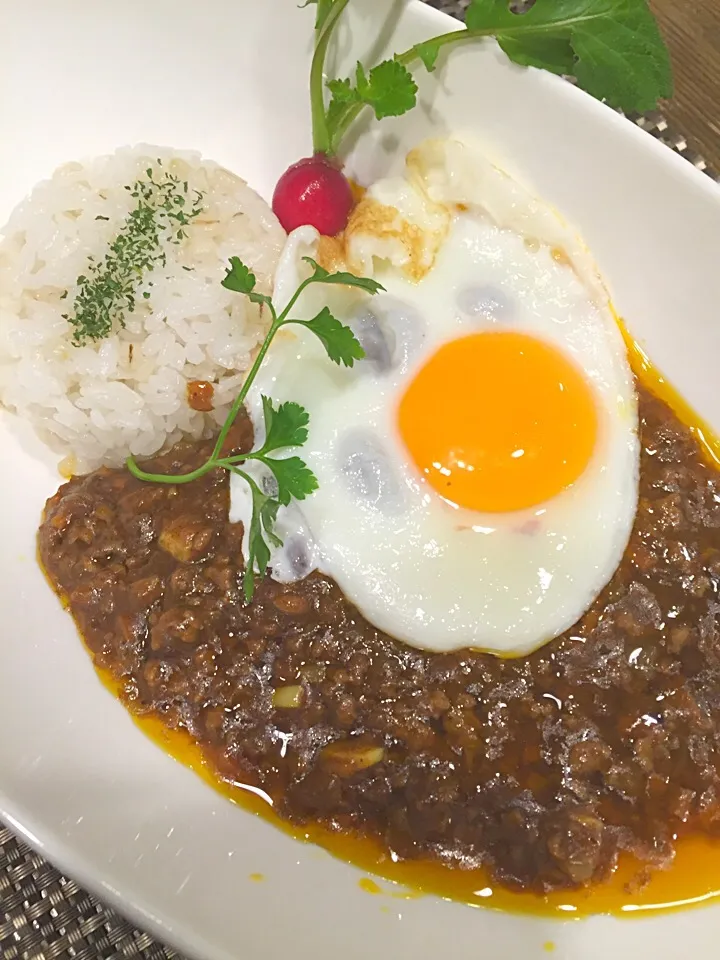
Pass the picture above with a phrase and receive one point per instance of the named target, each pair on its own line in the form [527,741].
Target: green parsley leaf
[342,91]
[268,516]
[285,426]
[295,479]
[264,512]
[343,97]
[428,53]
[240,279]
[389,89]
[613,47]
[340,342]
[321,275]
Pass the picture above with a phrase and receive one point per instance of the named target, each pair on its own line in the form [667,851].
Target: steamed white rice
[127,393]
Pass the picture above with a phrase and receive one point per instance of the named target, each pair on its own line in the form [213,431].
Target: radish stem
[326,25]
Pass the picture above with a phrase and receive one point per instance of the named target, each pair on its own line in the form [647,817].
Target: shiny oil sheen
[693,879]
[632,890]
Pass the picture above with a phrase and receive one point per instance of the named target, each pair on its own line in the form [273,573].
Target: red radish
[313,191]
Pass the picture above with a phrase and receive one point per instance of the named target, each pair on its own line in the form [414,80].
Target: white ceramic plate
[228,77]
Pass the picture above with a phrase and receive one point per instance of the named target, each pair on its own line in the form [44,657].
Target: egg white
[430,574]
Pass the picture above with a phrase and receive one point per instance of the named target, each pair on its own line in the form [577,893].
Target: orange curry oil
[632,890]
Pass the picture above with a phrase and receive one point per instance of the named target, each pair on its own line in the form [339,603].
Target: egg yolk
[499,421]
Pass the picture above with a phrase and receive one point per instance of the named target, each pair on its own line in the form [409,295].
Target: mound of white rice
[127,393]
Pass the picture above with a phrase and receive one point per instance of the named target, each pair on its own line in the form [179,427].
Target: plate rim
[60,853]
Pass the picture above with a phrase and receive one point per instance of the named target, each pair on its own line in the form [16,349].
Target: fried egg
[478,469]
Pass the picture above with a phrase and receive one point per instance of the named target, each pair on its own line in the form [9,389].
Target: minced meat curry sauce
[582,778]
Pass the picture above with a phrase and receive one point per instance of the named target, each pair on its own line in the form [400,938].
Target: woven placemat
[46,916]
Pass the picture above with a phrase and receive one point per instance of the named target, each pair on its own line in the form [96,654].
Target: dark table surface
[692,30]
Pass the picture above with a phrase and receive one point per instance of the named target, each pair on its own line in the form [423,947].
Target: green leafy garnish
[285,426]
[344,279]
[428,54]
[389,89]
[262,520]
[294,478]
[107,292]
[338,340]
[240,279]
[612,48]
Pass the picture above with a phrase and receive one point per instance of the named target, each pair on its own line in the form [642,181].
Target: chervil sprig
[285,426]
